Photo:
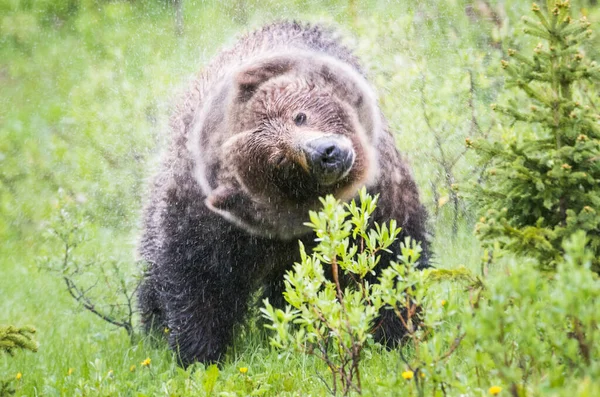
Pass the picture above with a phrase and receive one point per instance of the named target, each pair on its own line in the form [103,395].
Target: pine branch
[13,338]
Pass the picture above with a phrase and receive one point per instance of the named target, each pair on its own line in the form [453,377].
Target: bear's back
[277,37]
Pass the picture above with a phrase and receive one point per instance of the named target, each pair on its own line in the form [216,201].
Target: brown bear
[284,117]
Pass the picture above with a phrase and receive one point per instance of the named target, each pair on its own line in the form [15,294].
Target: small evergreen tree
[544,184]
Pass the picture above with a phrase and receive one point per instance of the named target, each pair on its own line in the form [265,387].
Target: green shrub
[533,332]
[334,318]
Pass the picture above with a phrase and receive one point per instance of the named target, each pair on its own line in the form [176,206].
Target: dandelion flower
[495,390]
[70,371]
[19,376]
[408,375]
[443,302]
[132,368]
[146,362]
[243,370]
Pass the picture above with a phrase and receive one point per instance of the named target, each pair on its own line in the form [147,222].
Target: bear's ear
[352,87]
[233,204]
[250,77]
[223,198]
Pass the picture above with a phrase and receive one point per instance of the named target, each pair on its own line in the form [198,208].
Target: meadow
[86,89]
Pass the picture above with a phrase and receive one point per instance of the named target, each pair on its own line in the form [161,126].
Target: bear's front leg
[201,316]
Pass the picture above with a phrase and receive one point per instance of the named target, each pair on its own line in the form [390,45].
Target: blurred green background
[86,89]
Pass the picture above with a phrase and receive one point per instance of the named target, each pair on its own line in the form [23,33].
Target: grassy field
[86,90]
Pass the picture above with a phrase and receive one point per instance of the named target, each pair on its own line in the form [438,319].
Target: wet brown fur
[227,207]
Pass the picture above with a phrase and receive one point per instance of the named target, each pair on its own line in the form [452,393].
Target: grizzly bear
[282,118]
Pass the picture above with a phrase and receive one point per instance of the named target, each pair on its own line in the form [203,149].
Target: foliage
[86,89]
[12,338]
[333,318]
[542,184]
[334,307]
[531,331]
[431,322]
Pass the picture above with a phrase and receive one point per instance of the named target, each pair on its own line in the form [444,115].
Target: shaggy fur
[227,207]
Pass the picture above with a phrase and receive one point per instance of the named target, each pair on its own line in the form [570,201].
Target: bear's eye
[281,160]
[300,119]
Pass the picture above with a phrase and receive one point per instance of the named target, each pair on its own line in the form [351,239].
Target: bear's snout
[329,158]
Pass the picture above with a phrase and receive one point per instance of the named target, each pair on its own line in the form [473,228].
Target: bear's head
[280,132]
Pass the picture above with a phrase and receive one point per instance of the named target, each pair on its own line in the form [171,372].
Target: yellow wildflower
[146,362]
[495,390]
[442,201]
[444,302]
[19,376]
[132,368]
[408,375]
[70,371]
[243,370]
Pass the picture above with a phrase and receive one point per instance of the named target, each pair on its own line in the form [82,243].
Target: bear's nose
[330,158]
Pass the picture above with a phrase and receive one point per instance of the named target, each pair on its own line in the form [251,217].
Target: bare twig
[112,312]
[178,4]
[447,164]
[453,346]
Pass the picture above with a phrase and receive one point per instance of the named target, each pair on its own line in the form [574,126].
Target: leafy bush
[525,330]
[333,317]
[534,331]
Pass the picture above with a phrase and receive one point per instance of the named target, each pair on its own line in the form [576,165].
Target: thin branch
[77,294]
[453,347]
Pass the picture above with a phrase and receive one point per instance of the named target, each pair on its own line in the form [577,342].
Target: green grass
[86,94]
